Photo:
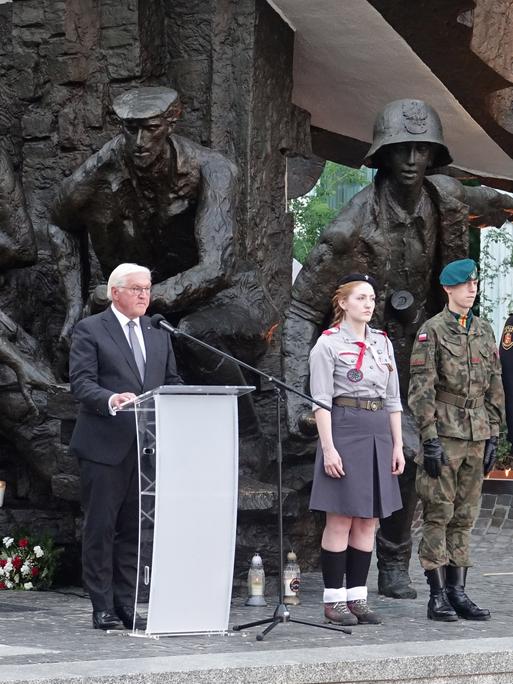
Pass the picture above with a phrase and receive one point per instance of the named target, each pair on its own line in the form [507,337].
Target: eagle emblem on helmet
[415,117]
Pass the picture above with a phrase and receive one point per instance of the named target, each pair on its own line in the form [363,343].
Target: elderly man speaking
[115,355]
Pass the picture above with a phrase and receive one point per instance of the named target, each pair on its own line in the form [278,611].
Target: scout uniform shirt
[338,359]
[455,380]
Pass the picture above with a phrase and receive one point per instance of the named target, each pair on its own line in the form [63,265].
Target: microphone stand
[281,613]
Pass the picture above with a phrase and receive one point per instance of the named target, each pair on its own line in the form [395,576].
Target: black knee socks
[333,566]
[358,564]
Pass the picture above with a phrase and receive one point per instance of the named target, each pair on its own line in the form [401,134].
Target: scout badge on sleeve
[355,374]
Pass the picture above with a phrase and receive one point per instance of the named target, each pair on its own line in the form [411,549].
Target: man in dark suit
[115,355]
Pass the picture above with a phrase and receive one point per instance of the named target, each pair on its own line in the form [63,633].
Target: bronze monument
[401,229]
[153,197]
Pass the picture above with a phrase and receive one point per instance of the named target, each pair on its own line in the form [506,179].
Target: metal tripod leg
[282,614]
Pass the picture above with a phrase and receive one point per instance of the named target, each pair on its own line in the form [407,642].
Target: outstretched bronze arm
[487,206]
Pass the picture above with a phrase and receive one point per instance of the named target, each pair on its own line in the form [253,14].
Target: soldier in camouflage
[457,399]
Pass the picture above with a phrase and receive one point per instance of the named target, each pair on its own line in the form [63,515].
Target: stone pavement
[47,636]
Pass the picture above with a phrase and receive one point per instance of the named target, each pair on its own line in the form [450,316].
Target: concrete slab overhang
[349,62]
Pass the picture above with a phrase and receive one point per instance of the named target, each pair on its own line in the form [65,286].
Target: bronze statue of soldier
[153,197]
[402,228]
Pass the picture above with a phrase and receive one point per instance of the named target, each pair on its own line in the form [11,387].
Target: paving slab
[47,637]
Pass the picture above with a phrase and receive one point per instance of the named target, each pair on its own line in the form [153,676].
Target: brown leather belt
[353,402]
[460,402]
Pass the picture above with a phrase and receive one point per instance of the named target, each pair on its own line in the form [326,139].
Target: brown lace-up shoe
[338,614]
[363,613]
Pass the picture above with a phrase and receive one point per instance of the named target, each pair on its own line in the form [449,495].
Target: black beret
[356,277]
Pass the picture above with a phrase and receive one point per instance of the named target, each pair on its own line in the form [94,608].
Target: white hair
[118,275]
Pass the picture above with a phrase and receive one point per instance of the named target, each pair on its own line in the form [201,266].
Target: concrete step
[438,662]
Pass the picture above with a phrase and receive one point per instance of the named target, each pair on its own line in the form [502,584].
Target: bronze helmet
[408,121]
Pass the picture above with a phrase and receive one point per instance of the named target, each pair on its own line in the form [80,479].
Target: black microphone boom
[158,321]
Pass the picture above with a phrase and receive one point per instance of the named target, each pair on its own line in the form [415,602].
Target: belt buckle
[373,405]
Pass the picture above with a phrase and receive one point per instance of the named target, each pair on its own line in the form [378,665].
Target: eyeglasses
[136,291]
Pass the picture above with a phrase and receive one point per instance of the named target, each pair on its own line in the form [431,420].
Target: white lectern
[187,439]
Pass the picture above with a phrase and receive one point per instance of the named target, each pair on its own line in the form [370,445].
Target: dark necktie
[136,349]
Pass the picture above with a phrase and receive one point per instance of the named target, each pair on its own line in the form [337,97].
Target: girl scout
[359,452]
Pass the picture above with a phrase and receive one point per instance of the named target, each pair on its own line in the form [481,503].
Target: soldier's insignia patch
[415,117]
[418,360]
[422,337]
[507,337]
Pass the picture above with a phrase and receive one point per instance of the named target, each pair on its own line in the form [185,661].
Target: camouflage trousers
[450,504]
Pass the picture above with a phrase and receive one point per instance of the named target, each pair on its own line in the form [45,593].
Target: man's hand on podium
[117,401]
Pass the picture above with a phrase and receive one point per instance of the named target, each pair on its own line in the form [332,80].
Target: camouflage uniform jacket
[448,360]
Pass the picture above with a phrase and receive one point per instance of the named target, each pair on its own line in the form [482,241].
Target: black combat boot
[393,562]
[439,607]
[464,607]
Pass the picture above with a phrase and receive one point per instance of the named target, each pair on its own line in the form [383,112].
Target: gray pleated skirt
[368,489]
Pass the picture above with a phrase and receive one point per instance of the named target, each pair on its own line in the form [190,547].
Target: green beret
[144,103]
[458,272]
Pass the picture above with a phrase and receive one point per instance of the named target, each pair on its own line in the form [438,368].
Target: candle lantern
[291,580]
[256,582]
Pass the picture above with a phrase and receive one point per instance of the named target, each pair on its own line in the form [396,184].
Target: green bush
[314,211]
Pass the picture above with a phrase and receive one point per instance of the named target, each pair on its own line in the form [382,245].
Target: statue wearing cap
[156,198]
[402,228]
[457,398]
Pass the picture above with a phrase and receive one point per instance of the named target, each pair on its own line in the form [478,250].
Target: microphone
[158,321]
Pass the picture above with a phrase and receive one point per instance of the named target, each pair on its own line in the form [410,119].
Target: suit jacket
[102,364]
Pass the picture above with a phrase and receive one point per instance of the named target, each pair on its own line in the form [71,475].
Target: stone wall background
[61,64]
